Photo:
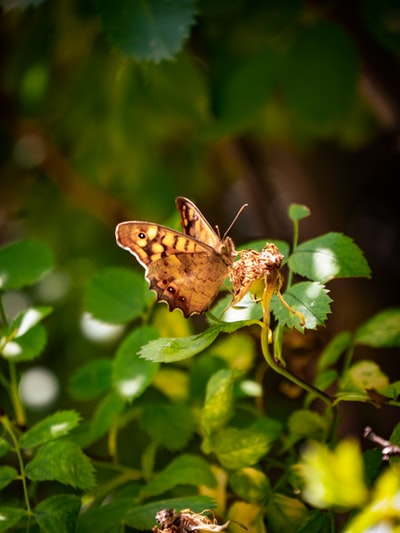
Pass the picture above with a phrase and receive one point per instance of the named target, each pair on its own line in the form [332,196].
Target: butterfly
[186,270]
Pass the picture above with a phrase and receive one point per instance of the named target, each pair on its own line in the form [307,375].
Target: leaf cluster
[198,435]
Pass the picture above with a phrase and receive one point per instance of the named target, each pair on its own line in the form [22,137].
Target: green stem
[294,246]
[15,397]
[348,358]
[106,488]
[283,372]
[8,427]
[12,387]
[112,443]
[2,311]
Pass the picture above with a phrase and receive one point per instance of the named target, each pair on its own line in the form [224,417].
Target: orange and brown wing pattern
[149,242]
[189,282]
[183,272]
[195,224]
[186,270]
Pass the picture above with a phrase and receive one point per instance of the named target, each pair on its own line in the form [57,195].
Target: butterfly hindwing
[189,282]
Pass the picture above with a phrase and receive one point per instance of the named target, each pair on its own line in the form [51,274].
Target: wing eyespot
[141,235]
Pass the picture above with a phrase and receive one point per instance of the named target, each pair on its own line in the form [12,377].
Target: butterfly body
[186,270]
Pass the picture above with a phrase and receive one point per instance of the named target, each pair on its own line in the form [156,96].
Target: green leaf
[5,447]
[380,331]
[310,299]
[27,319]
[176,349]
[239,448]
[116,295]
[106,517]
[284,513]
[132,375]
[184,470]
[91,380]
[298,212]
[392,391]
[330,256]
[333,478]
[318,521]
[23,263]
[170,426]
[7,474]
[395,436]
[27,347]
[50,428]
[149,30]
[333,350]
[325,378]
[144,517]
[58,513]
[321,72]
[246,88]
[372,464]
[10,516]
[304,424]
[106,415]
[363,375]
[218,405]
[250,484]
[62,461]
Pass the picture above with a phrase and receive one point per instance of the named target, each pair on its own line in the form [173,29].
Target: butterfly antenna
[234,220]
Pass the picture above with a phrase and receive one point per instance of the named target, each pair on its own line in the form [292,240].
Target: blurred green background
[108,113]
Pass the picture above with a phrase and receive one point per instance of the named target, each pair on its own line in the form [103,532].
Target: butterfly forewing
[149,242]
[195,224]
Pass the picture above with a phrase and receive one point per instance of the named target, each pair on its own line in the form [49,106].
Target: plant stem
[283,372]
[3,315]
[348,358]
[15,397]
[8,427]
[294,246]
[100,492]
[12,387]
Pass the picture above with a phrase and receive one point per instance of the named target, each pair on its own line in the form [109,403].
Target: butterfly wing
[183,271]
[188,281]
[195,224]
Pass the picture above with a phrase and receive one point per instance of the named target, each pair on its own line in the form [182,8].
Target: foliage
[195,451]
[109,111]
